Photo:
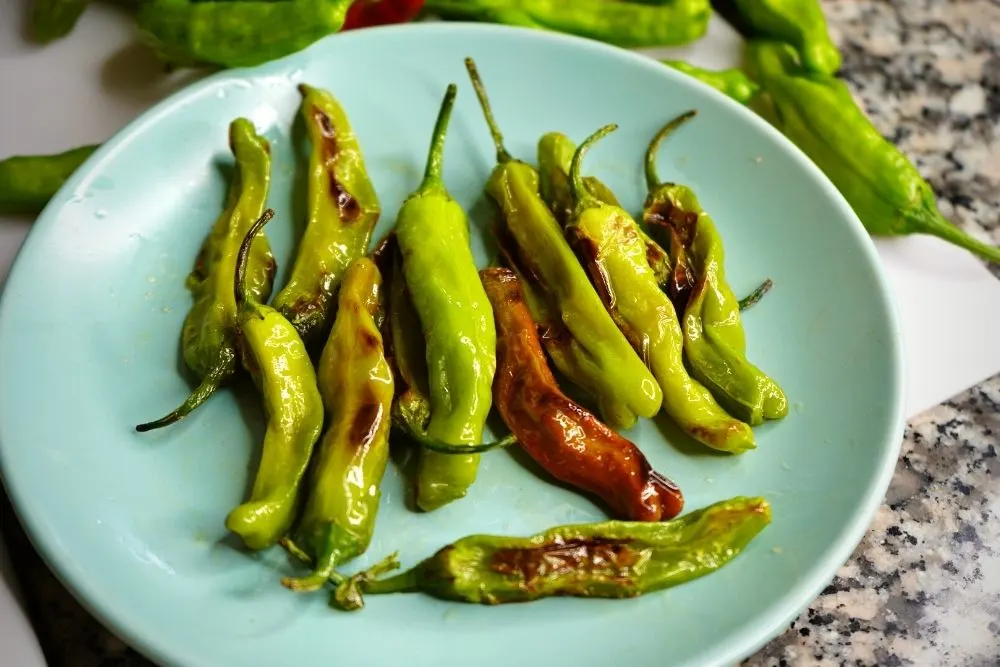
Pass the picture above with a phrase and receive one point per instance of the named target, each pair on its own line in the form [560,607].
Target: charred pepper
[277,360]
[608,241]
[513,185]
[733,82]
[566,440]
[714,341]
[455,317]
[611,559]
[356,384]
[28,182]
[800,23]
[343,210]
[208,338]
[819,115]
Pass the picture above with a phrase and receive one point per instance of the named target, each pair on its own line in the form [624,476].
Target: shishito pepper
[343,210]
[609,243]
[819,115]
[513,186]
[356,384]
[714,341]
[566,440]
[733,82]
[208,338]
[627,24]
[277,360]
[611,559]
[52,19]
[800,23]
[28,182]
[455,317]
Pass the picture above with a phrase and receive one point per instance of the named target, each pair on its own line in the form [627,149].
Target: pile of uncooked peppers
[411,340]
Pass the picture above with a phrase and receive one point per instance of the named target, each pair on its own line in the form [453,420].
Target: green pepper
[28,182]
[625,24]
[455,317]
[610,559]
[208,337]
[514,187]
[608,241]
[343,211]
[52,19]
[714,341]
[800,23]
[235,34]
[356,384]
[277,360]
[731,82]
[819,115]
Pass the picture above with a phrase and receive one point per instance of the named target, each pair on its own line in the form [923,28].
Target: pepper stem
[753,297]
[930,221]
[435,156]
[652,179]
[209,385]
[580,192]
[484,102]
[348,595]
[239,282]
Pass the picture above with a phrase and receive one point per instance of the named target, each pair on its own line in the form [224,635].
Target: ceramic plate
[133,524]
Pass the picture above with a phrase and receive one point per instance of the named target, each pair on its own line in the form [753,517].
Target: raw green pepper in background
[626,24]
[28,182]
[731,82]
[279,364]
[208,337]
[343,210]
[235,34]
[52,19]
[455,316]
[819,115]
[356,384]
[547,256]
[608,241]
[798,22]
[714,341]
[610,559]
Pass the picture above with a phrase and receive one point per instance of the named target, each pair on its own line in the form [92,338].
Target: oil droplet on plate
[100,214]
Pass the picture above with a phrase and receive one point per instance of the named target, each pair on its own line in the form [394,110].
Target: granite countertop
[923,588]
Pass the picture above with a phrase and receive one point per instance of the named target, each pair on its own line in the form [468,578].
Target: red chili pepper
[367,13]
[569,442]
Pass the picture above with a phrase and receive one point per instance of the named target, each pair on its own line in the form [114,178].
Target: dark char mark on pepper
[350,209]
[366,421]
[565,556]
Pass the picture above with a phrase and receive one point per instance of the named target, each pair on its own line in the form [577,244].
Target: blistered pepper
[610,559]
[732,82]
[356,384]
[714,341]
[819,115]
[455,317]
[609,243]
[343,210]
[277,360]
[28,182]
[569,442]
[208,337]
[513,186]
[799,22]
[627,24]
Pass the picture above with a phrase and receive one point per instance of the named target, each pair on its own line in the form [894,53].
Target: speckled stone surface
[923,588]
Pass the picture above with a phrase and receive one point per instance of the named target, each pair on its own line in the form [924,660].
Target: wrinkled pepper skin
[52,19]
[611,559]
[432,231]
[800,23]
[277,360]
[208,338]
[714,341]
[566,440]
[235,34]
[356,384]
[343,211]
[608,241]
[819,115]
[624,24]
[734,83]
[513,186]
[28,182]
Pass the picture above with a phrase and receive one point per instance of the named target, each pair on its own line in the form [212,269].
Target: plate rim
[103,605]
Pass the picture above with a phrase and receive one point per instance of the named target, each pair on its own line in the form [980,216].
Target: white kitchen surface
[85,87]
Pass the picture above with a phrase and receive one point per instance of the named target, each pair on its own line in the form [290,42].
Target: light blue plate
[133,524]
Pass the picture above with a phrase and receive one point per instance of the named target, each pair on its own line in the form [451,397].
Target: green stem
[209,385]
[239,283]
[435,156]
[652,179]
[484,102]
[930,221]
[580,193]
[751,299]
[404,582]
